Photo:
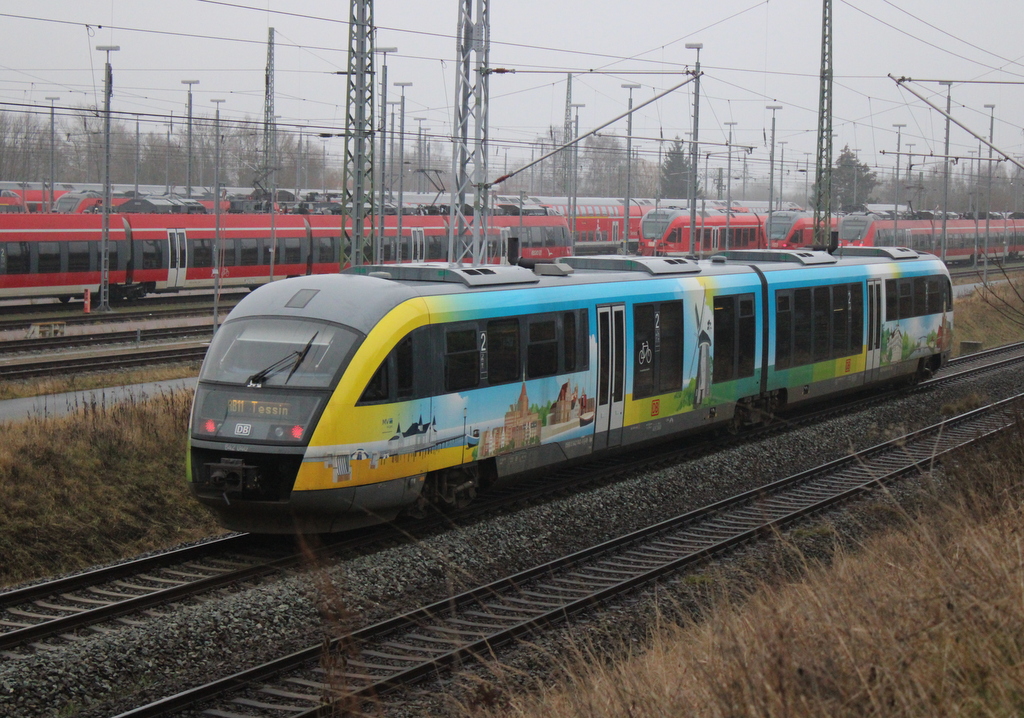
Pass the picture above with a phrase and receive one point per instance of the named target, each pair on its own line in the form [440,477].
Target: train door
[874,338]
[502,254]
[417,245]
[177,263]
[611,375]
[310,245]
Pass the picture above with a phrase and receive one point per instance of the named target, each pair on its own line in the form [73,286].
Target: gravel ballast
[188,644]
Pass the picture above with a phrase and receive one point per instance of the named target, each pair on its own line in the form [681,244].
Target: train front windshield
[655,223]
[278,352]
[779,226]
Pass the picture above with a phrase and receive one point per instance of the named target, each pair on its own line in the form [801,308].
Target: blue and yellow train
[336,401]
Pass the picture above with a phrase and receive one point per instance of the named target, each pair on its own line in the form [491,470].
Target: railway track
[137,336]
[56,610]
[22,316]
[103,361]
[365,664]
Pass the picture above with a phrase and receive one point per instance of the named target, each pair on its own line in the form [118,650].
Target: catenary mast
[469,158]
[357,199]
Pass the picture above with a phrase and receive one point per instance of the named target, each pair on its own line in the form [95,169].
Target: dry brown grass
[102,483]
[924,621]
[994,319]
[94,380]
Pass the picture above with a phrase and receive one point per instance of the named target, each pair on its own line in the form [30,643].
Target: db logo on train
[655,407]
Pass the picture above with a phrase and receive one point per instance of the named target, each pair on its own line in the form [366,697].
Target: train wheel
[452,488]
[64,300]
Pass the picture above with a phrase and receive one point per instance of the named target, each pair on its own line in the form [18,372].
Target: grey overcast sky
[756,53]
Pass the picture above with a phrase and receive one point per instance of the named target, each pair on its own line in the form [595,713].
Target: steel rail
[102,338]
[404,649]
[570,478]
[103,361]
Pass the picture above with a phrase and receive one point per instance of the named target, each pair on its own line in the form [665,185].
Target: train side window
[906,298]
[892,301]
[724,367]
[947,294]
[856,318]
[48,258]
[325,250]
[542,349]
[250,252]
[437,248]
[398,364]
[461,360]
[746,329]
[153,253]
[801,327]
[570,341]
[18,257]
[503,363]
[78,256]
[933,296]
[822,323]
[670,354]
[202,252]
[289,250]
[377,389]
[645,323]
[227,253]
[404,369]
[920,296]
[783,329]
[840,320]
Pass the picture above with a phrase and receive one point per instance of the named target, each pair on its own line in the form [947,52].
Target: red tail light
[297,432]
[210,426]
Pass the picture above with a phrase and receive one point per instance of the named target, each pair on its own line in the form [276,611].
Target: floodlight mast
[694,144]
[108,81]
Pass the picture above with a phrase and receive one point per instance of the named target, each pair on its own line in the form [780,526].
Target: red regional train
[667,231]
[793,229]
[965,238]
[58,255]
[599,221]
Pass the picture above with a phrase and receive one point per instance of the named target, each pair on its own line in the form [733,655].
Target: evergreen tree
[675,172]
[852,182]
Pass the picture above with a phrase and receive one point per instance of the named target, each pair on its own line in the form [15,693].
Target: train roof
[844,256]
[362,295]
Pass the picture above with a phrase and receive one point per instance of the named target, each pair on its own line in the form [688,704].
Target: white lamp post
[188,159]
[108,81]
[629,166]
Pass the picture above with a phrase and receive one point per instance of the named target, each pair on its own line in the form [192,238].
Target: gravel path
[191,643]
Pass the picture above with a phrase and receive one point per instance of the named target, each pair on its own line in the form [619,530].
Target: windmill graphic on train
[702,350]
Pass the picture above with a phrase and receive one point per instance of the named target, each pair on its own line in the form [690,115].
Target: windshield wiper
[262,375]
[294,357]
[302,355]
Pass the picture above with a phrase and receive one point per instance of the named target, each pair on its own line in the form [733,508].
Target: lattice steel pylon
[269,126]
[357,200]
[823,165]
[469,158]
[270,145]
